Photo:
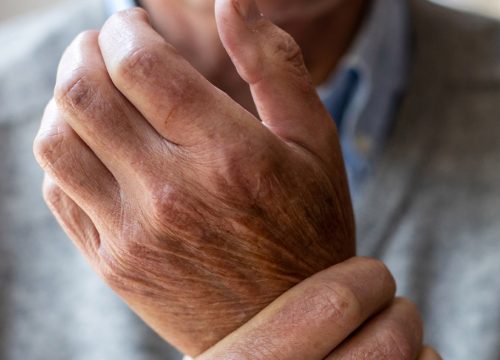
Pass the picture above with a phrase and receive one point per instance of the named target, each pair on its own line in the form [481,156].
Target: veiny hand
[195,212]
[347,312]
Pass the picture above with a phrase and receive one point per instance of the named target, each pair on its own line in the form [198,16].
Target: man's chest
[431,214]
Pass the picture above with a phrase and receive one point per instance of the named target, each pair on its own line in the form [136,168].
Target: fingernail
[248,10]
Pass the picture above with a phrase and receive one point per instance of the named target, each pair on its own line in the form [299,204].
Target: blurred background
[11,8]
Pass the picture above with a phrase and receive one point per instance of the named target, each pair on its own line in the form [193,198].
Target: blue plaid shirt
[363,93]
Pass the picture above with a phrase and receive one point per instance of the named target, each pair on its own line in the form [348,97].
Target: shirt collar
[369,81]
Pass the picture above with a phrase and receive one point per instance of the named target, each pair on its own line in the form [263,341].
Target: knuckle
[410,308]
[138,61]
[290,52]
[401,335]
[74,88]
[47,148]
[394,344]
[337,303]
[52,195]
[141,62]
[162,200]
[171,210]
[75,91]
[167,207]
[85,37]
[378,267]
[413,316]
[263,160]
[381,268]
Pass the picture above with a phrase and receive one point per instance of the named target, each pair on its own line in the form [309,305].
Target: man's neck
[191,28]
[324,40]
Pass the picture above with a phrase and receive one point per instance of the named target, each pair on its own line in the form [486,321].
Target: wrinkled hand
[195,212]
[343,313]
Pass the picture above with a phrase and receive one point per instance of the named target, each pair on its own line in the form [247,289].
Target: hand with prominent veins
[197,213]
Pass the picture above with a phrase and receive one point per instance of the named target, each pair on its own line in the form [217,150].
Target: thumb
[271,62]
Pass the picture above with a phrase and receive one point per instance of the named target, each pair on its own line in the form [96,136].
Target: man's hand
[195,212]
[323,318]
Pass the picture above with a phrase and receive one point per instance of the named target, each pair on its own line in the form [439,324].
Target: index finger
[314,317]
[183,106]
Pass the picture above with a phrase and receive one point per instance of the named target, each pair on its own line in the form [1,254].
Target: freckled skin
[230,251]
[195,211]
